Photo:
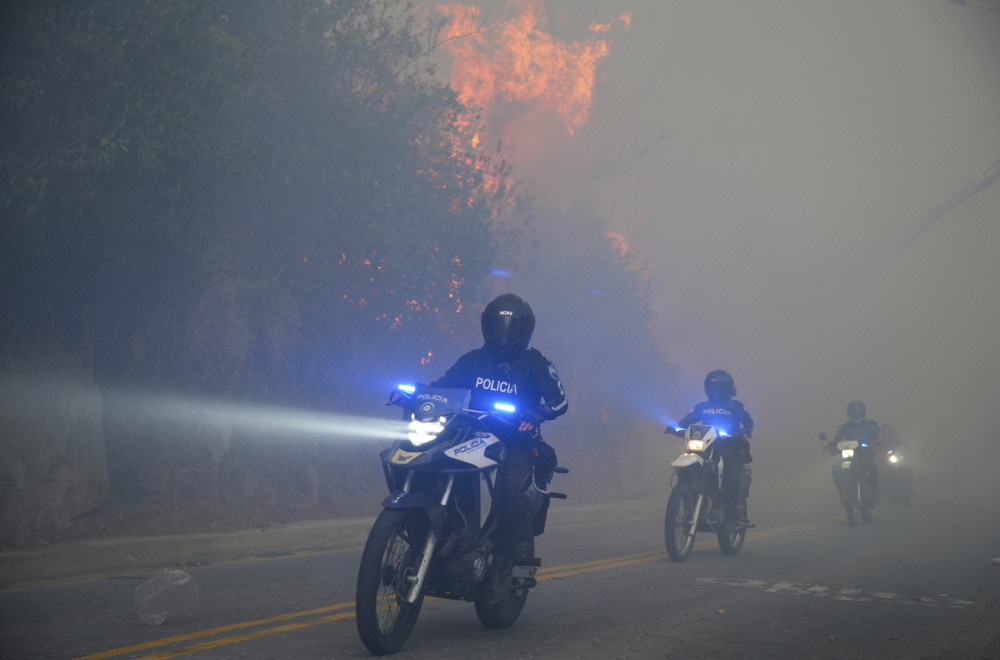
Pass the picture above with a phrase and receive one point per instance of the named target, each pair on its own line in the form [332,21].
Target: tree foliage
[232,192]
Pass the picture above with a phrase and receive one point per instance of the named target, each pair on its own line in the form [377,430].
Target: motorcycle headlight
[847,453]
[420,433]
[696,445]
[894,459]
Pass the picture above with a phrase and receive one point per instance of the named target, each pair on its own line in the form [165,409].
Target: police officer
[505,367]
[865,431]
[729,416]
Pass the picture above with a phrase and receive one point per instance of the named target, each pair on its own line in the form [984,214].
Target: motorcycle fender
[684,460]
[435,512]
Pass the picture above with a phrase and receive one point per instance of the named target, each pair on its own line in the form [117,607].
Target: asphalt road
[919,583]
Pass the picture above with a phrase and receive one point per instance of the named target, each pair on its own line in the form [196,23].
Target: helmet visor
[505,329]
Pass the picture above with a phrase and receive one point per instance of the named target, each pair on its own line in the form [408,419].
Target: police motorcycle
[695,503]
[432,537]
[853,473]
[897,476]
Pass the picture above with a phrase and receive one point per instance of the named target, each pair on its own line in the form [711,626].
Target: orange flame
[522,63]
[619,243]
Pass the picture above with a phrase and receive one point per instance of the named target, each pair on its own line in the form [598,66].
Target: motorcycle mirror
[822,437]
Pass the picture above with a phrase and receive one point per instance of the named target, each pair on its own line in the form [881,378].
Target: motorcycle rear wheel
[678,521]
[504,614]
[391,556]
[733,532]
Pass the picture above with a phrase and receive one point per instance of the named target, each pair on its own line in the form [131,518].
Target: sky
[789,172]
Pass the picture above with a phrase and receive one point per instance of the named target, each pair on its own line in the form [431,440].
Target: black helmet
[719,385]
[856,411]
[507,324]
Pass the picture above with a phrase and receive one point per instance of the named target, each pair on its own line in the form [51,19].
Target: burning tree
[230,193]
[246,198]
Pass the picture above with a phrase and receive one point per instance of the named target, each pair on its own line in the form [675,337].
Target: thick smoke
[813,189]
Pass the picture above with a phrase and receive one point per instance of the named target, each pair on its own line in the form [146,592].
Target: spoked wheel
[851,497]
[388,564]
[505,613]
[734,532]
[678,521]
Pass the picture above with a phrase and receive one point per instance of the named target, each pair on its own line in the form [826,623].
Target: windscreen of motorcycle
[435,402]
[699,432]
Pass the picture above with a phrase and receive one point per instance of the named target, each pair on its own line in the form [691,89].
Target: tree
[206,191]
[244,197]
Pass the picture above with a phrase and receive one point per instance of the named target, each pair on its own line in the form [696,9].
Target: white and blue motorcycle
[695,503]
[433,534]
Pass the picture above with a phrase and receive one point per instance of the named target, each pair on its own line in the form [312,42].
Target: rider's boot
[730,510]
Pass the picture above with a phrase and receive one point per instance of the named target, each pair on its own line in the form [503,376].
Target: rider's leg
[511,479]
[733,457]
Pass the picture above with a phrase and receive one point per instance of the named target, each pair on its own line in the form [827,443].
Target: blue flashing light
[505,407]
[500,273]
[680,429]
[723,434]
[409,389]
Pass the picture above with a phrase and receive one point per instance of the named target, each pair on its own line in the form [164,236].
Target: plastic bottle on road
[170,594]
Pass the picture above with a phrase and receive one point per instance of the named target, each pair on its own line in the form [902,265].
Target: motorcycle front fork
[704,485]
[417,581]
[697,515]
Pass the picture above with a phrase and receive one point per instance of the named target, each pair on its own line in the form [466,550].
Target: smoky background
[802,193]
[807,192]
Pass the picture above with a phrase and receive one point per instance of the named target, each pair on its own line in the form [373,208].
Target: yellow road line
[166,641]
[552,573]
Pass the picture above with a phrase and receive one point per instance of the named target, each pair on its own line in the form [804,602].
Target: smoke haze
[812,187]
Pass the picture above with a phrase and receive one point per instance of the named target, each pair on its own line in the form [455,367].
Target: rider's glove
[533,416]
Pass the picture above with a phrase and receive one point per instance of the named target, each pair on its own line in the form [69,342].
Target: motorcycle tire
[866,504]
[504,614]
[733,533]
[392,554]
[851,502]
[677,522]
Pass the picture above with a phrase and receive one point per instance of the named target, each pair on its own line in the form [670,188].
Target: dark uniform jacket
[865,431]
[529,381]
[727,415]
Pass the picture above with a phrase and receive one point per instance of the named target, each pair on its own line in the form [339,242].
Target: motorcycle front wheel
[851,497]
[389,561]
[734,532]
[678,523]
[866,503]
[504,614]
